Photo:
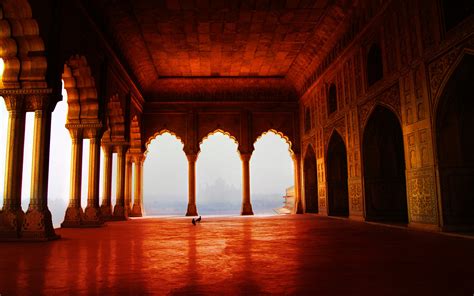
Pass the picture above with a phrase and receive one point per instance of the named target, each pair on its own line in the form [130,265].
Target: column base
[136,211]
[38,226]
[246,210]
[106,212]
[92,217]
[299,208]
[72,218]
[10,224]
[119,213]
[192,210]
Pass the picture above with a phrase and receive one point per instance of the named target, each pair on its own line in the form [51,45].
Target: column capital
[137,158]
[192,157]
[75,133]
[246,156]
[40,102]
[94,132]
[14,102]
[120,148]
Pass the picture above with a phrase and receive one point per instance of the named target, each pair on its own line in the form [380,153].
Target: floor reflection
[234,256]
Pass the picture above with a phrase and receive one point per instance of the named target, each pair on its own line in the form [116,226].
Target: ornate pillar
[11,216]
[92,216]
[74,213]
[297,172]
[128,184]
[246,204]
[192,210]
[137,210]
[119,209]
[106,207]
[38,224]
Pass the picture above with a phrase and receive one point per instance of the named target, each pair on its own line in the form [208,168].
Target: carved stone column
[297,172]
[192,210]
[92,216]
[137,210]
[11,216]
[106,207]
[128,184]
[246,204]
[38,224]
[119,209]
[74,212]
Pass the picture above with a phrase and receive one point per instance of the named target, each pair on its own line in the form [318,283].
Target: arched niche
[374,64]
[384,168]
[454,126]
[310,180]
[336,175]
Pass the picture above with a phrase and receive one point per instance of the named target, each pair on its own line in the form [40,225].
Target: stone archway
[455,143]
[310,181]
[338,197]
[384,168]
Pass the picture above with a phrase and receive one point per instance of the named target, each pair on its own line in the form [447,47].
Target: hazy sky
[165,168]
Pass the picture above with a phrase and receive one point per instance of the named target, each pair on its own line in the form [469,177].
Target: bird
[194,222]
[198,219]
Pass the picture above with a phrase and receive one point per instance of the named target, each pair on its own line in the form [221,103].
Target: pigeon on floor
[198,219]
[194,222]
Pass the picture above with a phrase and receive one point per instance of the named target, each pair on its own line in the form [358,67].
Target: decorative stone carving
[437,70]
[422,195]
[390,97]
[355,195]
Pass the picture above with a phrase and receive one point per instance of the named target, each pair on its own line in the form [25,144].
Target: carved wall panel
[355,196]
[174,122]
[421,190]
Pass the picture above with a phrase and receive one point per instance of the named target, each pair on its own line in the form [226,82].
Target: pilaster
[192,209]
[246,204]
[92,214]
[11,216]
[106,206]
[37,224]
[74,212]
[119,209]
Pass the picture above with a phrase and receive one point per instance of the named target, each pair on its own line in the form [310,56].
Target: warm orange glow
[2,67]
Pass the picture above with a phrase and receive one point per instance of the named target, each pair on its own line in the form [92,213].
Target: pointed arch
[337,176]
[83,103]
[453,125]
[310,176]
[384,167]
[116,119]
[222,132]
[161,132]
[281,134]
[21,47]
[135,136]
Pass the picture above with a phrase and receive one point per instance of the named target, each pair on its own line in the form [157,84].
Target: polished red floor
[300,255]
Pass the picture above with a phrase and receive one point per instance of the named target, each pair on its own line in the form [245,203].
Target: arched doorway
[384,168]
[165,177]
[455,144]
[271,174]
[338,198]
[310,181]
[219,175]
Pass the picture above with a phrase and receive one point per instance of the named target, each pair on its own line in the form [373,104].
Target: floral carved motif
[421,195]
[438,69]
[355,195]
